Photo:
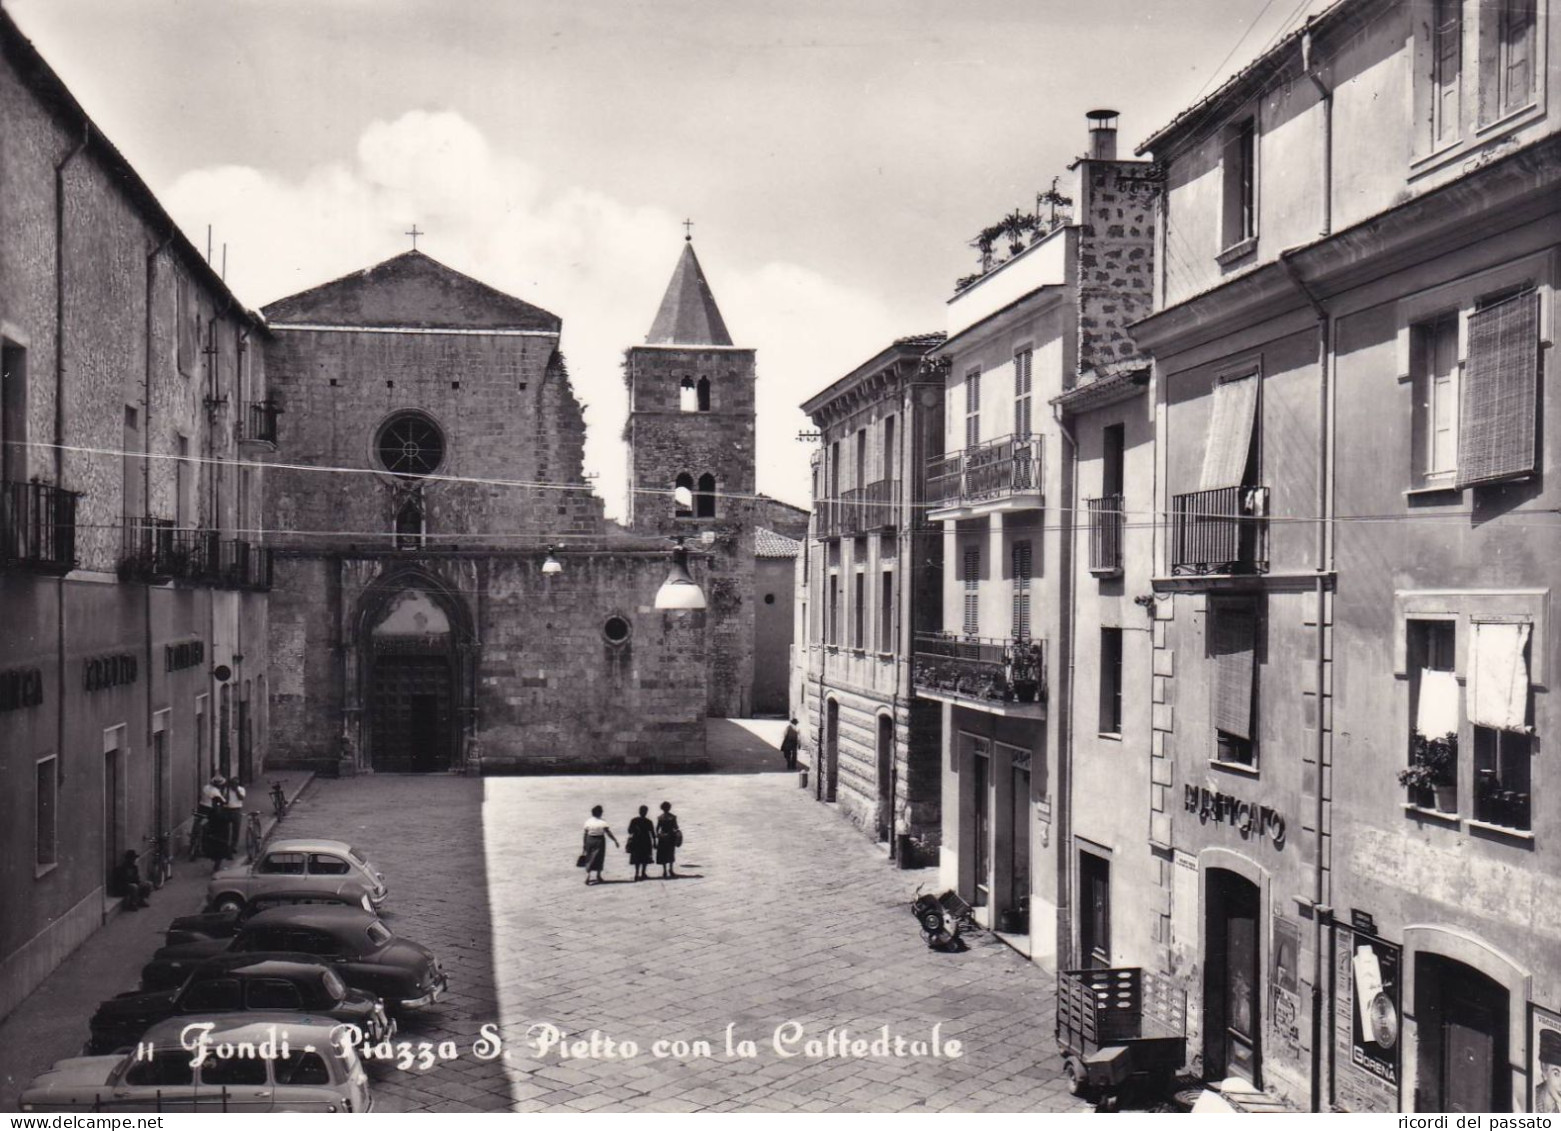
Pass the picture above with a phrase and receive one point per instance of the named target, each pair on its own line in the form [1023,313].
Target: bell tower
[691,463]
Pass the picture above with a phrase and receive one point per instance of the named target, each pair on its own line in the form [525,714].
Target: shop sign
[21,687]
[1248,819]
[1374,1020]
[108,671]
[177,657]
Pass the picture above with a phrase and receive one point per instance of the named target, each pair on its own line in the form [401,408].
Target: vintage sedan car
[214,924]
[353,942]
[291,865]
[312,1071]
[233,983]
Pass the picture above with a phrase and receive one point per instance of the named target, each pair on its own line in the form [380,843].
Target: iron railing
[1220,531]
[262,421]
[1105,534]
[148,553]
[38,526]
[980,668]
[994,470]
[859,510]
[244,565]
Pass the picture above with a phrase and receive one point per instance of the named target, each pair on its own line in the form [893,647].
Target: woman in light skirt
[596,835]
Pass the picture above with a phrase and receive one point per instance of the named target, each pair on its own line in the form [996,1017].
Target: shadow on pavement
[745,746]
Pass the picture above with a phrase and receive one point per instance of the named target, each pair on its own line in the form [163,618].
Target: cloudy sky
[836,157]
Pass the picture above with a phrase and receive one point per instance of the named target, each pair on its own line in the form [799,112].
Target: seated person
[129,884]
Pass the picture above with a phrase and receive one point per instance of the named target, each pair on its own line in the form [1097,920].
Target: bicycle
[252,837]
[278,800]
[160,868]
[198,833]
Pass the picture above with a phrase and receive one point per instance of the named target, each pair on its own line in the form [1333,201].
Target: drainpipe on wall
[146,491]
[1063,704]
[59,427]
[1321,912]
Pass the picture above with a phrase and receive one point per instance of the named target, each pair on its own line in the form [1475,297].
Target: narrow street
[782,913]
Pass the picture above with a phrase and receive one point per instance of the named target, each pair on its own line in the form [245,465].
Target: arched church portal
[414,684]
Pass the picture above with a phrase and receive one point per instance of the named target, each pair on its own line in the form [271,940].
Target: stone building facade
[418,621]
[135,419]
[1354,634]
[872,581]
[1026,337]
[691,464]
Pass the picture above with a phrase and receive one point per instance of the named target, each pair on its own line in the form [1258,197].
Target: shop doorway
[831,773]
[1094,911]
[1232,979]
[981,827]
[885,823]
[1462,1019]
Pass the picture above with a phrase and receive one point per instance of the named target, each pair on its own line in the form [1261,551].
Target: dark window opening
[683,496]
[409,525]
[411,444]
[704,498]
[702,395]
[616,630]
[1111,681]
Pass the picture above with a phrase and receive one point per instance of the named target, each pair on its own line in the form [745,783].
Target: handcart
[1120,1029]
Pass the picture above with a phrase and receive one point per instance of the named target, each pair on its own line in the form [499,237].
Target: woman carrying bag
[594,853]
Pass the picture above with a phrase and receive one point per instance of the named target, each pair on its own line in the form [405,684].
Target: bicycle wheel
[197,834]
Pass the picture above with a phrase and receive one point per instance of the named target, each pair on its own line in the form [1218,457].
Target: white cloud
[597,260]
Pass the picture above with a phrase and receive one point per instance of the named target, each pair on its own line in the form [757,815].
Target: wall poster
[1544,1047]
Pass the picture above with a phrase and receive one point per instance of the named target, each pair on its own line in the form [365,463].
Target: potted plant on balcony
[1024,670]
[1433,768]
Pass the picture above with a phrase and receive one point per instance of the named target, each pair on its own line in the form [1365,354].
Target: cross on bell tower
[414,233]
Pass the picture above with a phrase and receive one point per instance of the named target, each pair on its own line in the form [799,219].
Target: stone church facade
[430,466]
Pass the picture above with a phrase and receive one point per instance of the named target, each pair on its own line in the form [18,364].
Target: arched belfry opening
[415,666]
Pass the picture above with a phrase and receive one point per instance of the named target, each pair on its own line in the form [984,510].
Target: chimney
[1102,135]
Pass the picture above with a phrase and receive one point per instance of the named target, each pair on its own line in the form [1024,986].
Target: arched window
[704,498]
[683,496]
[704,394]
[688,396]
[409,525]
[410,444]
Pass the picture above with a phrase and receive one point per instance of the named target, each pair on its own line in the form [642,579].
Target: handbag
[584,856]
[678,840]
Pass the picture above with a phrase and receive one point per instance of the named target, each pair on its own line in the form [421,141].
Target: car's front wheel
[228,901]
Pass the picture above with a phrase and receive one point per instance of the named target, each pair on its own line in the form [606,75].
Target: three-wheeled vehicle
[1120,1029]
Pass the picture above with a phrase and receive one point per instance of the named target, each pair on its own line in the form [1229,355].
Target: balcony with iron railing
[244,565]
[1004,677]
[260,424]
[148,551]
[37,527]
[1223,531]
[1000,474]
[859,510]
[1105,535]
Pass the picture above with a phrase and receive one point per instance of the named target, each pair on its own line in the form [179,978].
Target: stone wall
[1115,264]
[665,442]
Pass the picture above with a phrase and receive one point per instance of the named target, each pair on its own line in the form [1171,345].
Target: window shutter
[1021,576]
[1232,421]
[972,591]
[1232,646]
[1496,437]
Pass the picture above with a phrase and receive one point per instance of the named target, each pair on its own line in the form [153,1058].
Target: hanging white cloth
[1438,710]
[1498,676]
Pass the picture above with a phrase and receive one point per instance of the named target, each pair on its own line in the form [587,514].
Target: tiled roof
[768,544]
[927,340]
[688,314]
[410,290]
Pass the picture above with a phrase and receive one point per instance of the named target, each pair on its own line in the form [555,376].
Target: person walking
[642,835]
[595,851]
[789,744]
[233,810]
[669,838]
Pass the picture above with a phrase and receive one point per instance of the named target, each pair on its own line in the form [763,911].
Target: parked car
[353,942]
[214,924]
[317,1073]
[293,865]
[231,984]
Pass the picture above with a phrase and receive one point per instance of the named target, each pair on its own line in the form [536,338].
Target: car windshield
[379,934]
[335,986]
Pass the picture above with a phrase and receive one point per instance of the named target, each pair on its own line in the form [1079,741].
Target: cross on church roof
[688,231]
[414,233]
